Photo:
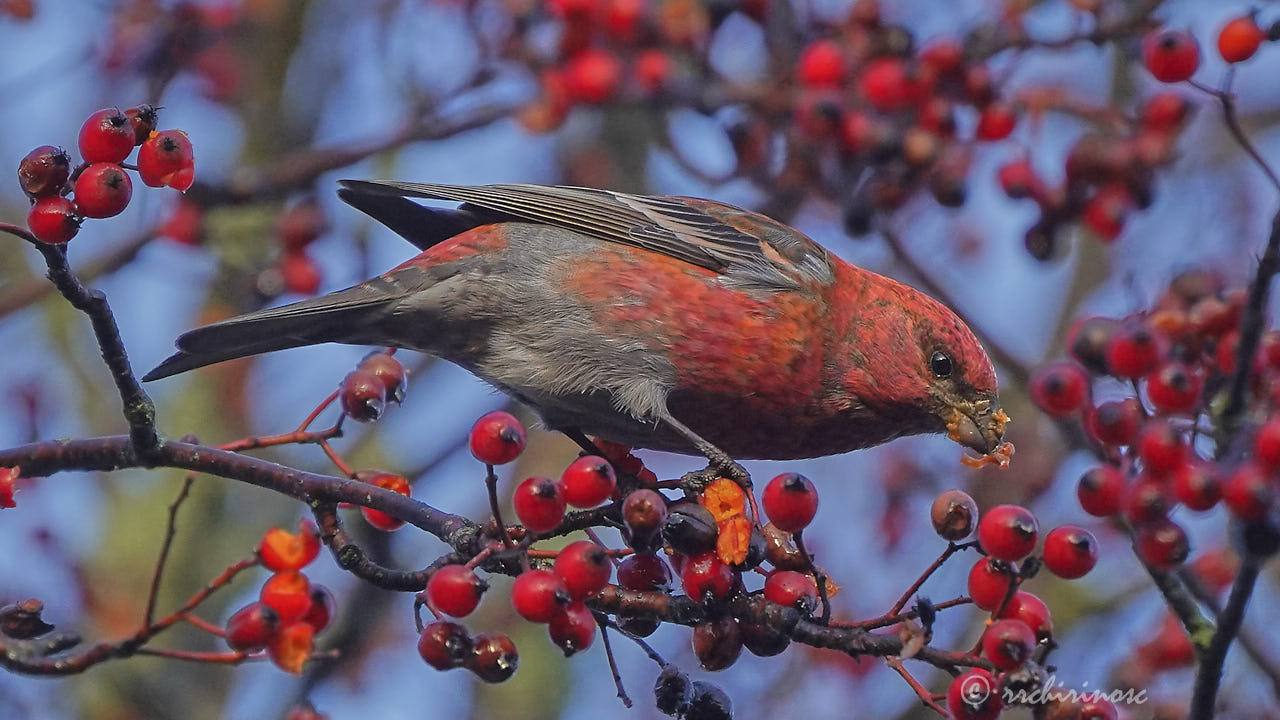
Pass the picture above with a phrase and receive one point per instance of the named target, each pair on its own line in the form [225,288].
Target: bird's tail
[345,316]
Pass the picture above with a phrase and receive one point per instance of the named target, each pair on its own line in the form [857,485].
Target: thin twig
[950,550]
[170,530]
[921,691]
[491,485]
[613,663]
[820,578]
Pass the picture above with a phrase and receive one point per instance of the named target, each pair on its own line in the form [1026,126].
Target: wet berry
[644,571]
[444,645]
[493,657]
[44,171]
[363,396]
[573,628]
[717,643]
[395,380]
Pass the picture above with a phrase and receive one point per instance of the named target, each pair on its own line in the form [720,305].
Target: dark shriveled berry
[717,643]
[954,514]
[44,171]
[709,702]
[763,640]
[672,691]
[445,645]
[690,528]
[643,513]
[494,658]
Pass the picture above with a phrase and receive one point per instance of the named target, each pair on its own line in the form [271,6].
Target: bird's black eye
[940,364]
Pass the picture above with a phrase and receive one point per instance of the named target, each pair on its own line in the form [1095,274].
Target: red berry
[821,65]
[386,481]
[1095,707]
[703,576]
[1115,422]
[585,568]
[300,224]
[1018,179]
[1197,485]
[288,593]
[1164,112]
[1104,213]
[1008,643]
[497,438]
[644,571]
[989,583]
[323,608]
[106,137]
[282,550]
[53,220]
[653,69]
[593,76]
[1249,493]
[166,158]
[1059,388]
[494,658]
[1170,55]
[974,696]
[573,628]
[944,56]
[954,515]
[1163,545]
[1175,388]
[1100,491]
[622,18]
[44,171]
[395,380]
[792,589]
[299,273]
[538,594]
[1031,610]
[251,627]
[539,504]
[889,85]
[790,501]
[588,481]
[455,590]
[363,396]
[1146,501]
[1088,341]
[996,122]
[1008,532]
[1070,551]
[1266,445]
[142,119]
[444,645]
[103,190]
[979,87]
[643,513]
[1240,38]
[1161,448]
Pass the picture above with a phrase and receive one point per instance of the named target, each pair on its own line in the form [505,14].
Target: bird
[671,323]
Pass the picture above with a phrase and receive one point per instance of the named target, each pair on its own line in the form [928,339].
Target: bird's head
[917,363]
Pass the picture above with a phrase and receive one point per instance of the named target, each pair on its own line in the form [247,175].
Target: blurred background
[281,98]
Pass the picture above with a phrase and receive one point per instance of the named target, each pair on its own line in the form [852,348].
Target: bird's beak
[978,425]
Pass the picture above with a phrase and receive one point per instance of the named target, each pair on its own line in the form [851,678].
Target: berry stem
[951,549]
[491,484]
[921,691]
[819,577]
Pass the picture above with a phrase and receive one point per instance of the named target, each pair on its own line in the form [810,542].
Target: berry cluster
[1019,635]
[1180,361]
[99,186]
[365,391]
[290,610]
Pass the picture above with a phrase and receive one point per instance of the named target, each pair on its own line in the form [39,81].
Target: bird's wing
[737,243]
